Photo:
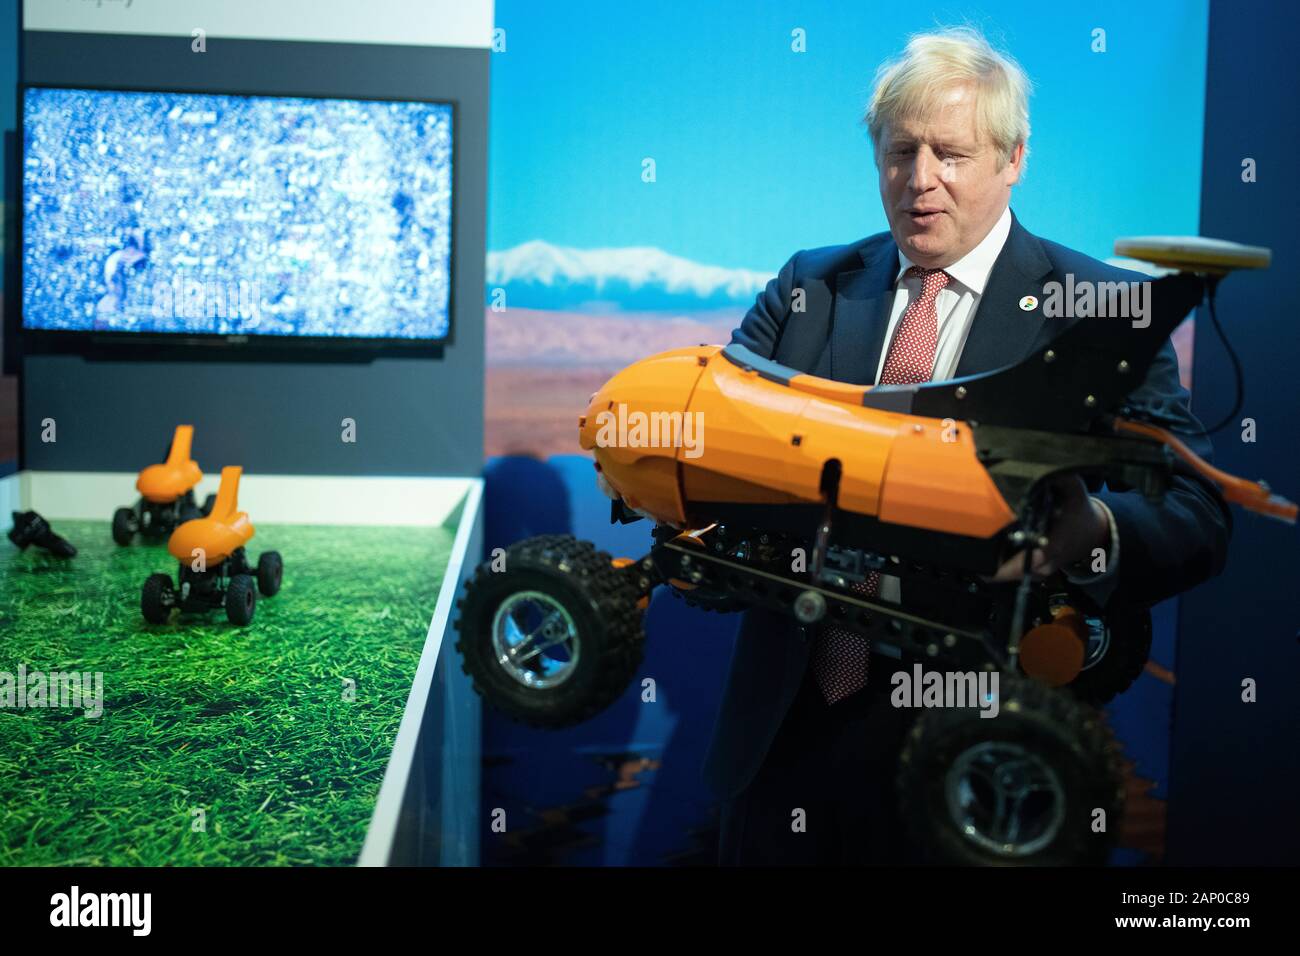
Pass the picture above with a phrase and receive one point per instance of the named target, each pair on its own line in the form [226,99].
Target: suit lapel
[862,302]
[1002,332]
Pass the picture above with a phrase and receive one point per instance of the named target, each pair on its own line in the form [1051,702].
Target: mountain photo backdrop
[561,321]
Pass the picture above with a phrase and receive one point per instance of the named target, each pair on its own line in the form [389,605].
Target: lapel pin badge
[1028,303]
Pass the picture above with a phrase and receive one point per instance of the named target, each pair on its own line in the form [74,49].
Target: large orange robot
[772,488]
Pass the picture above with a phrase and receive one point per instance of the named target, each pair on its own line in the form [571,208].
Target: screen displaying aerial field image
[203,214]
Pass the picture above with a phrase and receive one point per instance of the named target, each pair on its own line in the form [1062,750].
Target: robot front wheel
[241,599]
[553,636]
[1039,784]
[241,593]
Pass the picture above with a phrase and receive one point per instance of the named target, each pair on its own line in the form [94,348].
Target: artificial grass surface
[251,725]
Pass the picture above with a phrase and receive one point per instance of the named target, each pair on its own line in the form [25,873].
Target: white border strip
[446,23]
[272,499]
[383,823]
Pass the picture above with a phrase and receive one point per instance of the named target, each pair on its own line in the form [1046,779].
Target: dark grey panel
[415,415]
[270,418]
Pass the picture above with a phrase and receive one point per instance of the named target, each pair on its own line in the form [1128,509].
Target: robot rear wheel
[1038,784]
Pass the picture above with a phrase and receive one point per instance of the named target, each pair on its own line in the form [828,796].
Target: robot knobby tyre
[1021,788]
[555,636]
[241,599]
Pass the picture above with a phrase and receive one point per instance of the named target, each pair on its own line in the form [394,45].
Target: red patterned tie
[839,658]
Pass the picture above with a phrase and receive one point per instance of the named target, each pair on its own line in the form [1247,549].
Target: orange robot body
[221,532]
[169,480]
[715,431]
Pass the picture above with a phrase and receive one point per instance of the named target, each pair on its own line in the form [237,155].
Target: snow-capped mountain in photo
[538,275]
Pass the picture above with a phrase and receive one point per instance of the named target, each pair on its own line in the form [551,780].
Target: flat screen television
[231,216]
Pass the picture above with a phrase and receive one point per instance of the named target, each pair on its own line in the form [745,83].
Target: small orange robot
[214,570]
[166,494]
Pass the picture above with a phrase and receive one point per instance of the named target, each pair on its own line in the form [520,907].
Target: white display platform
[427,808]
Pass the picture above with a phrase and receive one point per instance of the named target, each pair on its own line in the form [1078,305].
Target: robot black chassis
[232,583]
[153,520]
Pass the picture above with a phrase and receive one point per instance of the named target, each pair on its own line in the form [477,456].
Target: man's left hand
[1078,526]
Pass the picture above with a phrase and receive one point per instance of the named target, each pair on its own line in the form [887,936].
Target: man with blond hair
[805,747]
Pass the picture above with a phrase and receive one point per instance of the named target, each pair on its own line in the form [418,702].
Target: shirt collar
[972,270]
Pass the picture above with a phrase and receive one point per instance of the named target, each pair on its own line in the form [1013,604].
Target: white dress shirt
[956,305]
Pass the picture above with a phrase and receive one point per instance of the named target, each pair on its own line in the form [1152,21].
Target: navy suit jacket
[1164,548]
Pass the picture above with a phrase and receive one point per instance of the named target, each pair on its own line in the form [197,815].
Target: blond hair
[915,84]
